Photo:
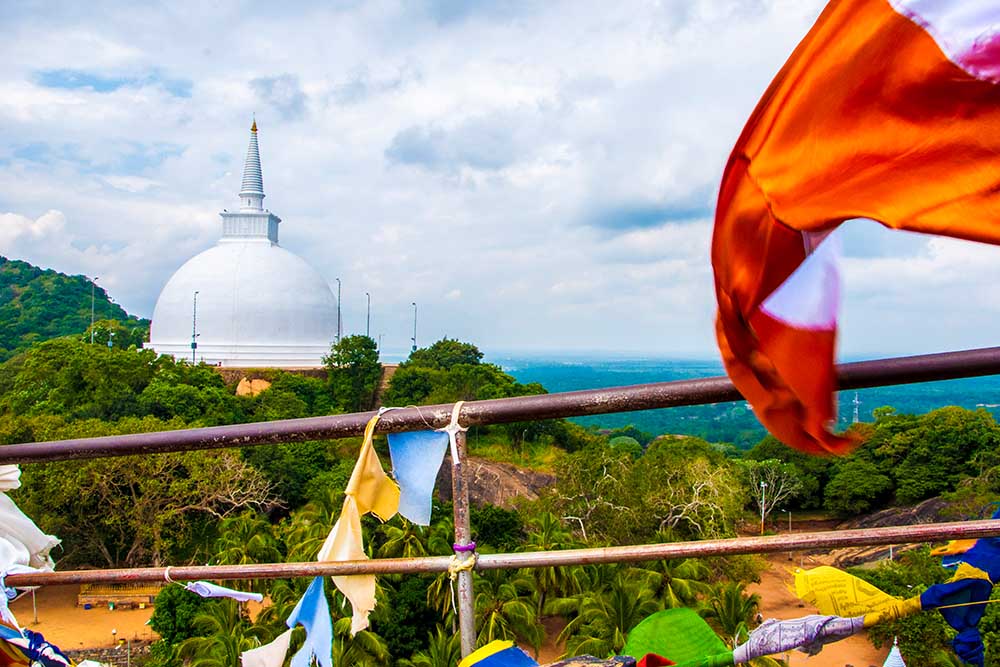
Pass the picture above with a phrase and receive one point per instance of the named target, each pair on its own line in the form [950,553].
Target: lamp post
[111,335]
[414,339]
[789,513]
[368,318]
[379,346]
[338,310]
[194,328]
[92,284]
[763,488]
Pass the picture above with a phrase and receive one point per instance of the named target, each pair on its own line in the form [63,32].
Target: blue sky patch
[72,79]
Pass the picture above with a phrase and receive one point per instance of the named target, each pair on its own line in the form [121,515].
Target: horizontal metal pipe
[645,552]
[857,375]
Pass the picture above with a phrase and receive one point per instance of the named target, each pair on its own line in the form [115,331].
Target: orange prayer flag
[886,110]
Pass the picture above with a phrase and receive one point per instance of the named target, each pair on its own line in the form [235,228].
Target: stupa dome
[246,302]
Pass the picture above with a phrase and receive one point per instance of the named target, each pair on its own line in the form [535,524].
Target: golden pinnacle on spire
[253,128]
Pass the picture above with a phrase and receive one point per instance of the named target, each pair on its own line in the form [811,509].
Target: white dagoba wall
[258,305]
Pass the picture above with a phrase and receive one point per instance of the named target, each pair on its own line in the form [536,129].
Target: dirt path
[778,601]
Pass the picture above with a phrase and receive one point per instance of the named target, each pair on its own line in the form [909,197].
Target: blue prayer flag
[416,459]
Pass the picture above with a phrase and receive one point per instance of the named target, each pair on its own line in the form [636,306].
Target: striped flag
[888,110]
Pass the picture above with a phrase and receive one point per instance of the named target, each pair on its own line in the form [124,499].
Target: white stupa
[246,302]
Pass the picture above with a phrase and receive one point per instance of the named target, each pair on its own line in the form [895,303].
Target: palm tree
[309,526]
[365,649]
[505,608]
[548,534]
[603,618]
[730,611]
[677,583]
[245,539]
[227,634]
[406,541]
[284,595]
[444,649]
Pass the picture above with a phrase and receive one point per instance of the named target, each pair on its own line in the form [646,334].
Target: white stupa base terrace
[248,356]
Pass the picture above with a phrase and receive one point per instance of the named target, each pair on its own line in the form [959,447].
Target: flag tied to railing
[887,110]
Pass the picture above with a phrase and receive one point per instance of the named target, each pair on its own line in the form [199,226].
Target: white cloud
[532,175]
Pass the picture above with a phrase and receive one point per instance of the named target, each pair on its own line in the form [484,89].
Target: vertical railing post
[463,537]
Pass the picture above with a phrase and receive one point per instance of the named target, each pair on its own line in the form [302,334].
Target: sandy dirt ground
[71,627]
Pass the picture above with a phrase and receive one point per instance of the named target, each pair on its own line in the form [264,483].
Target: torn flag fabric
[313,613]
[887,110]
[807,634]
[345,542]
[416,459]
[268,655]
[210,590]
[952,600]
[368,490]
[21,541]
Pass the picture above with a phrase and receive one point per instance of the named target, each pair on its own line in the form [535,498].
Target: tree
[593,492]
[445,354]
[354,372]
[814,471]
[444,649]
[604,617]
[771,484]
[174,612]
[676,582]
[224,632]
[626,444]
[139,510]
[688,489]
[504,608]
[731,612]
[933,455]
[245,539]
[856,487]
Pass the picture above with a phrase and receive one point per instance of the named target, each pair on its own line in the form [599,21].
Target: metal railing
[943,366]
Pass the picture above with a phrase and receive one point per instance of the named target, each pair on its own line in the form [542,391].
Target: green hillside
[39,304]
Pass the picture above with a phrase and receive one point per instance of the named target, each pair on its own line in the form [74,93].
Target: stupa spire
[252,191]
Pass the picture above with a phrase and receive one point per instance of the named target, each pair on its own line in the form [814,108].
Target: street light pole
[368,318]
[414,339]
[338,310]
[789,512]
[92,284]
[194,328]
[763,488]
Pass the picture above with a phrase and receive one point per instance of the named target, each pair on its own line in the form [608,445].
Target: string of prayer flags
[313,613]
[368,490]
[886,110]
[416,460]
[961,602]
[210,590]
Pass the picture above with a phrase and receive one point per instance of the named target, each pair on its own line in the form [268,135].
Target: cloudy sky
[535,175]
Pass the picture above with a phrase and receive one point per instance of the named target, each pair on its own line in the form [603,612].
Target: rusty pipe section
[932,532]
[857,375]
